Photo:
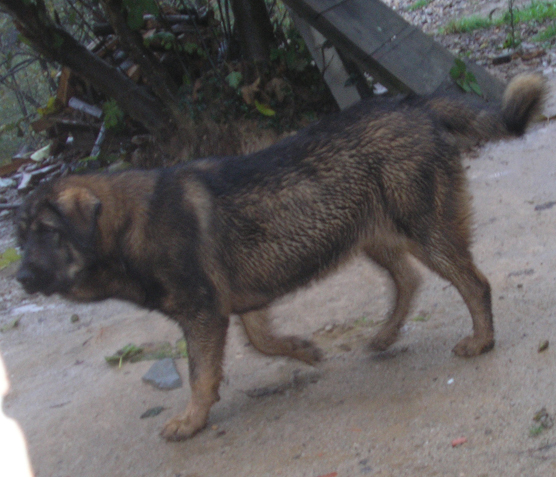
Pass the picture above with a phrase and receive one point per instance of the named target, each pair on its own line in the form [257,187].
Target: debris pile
[75,120]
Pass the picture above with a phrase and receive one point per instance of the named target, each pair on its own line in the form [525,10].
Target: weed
[234,79]
[418,5]
[113,115]
[546,35]
[536,430]
[464,78]
[124,354]
[9,256]
[11,325]
[511,40]
[422,317]
[465,25]
[535,12]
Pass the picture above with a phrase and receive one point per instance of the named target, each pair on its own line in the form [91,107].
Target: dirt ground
[358,413]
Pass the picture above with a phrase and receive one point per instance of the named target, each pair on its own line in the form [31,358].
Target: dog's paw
[181,427]
[306,351]
[473,346]
[383,340]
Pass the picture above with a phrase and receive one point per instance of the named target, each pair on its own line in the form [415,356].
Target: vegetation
[245,62]
[536,12]
[418,5]
[464,78]
[468,24]
[547,34]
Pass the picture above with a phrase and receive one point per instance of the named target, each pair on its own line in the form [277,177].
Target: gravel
[486,45]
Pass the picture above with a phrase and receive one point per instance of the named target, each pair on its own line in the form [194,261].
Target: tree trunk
[253,26]
[49,39]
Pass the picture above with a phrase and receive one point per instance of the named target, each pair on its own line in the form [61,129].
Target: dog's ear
[79,208]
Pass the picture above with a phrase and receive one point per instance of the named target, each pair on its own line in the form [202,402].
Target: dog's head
[56,230]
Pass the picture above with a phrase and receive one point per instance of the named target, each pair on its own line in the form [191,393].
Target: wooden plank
[416,61]
[317,7]
[394,52]
[65,90]
[366,24]
[10,168]
[329,63]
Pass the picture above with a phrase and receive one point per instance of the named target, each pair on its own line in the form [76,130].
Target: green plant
[192,48]
[293,54]
[535,12]
[464,78]
[536,430]
[511,40]
[547,34]
[113,115]
[136,9]
[264,109]
[9,256]
[418,5]
[423,317]
[52,107]
[124,354]
[465,25]
[234,79]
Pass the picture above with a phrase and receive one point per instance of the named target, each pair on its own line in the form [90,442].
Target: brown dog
[230,235]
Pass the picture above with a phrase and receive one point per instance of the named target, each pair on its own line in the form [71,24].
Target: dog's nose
[25,276]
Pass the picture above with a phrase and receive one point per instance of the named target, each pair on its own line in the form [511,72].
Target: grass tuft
[418,5]
[536,12]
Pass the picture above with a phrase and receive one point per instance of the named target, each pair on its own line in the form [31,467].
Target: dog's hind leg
[406,280]
[260,334]
[205,336]
[448,255]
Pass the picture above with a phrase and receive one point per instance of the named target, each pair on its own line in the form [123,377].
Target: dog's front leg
[206,337]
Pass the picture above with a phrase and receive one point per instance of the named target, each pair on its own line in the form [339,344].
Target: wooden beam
[394,52]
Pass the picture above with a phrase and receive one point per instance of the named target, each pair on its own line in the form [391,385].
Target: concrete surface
[394,414]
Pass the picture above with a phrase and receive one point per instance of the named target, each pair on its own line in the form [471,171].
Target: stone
[163,375]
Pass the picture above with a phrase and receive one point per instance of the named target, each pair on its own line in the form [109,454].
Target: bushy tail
[469,122]
[523,100]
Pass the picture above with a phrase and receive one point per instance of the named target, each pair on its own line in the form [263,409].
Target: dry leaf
[248,92]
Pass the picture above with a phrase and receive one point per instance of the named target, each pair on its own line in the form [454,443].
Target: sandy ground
[358,413]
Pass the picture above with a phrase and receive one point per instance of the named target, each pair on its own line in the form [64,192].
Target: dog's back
[380,169]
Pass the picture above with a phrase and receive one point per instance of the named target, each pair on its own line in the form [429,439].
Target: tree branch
[56,44]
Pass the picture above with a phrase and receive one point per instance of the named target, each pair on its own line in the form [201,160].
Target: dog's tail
[522,101]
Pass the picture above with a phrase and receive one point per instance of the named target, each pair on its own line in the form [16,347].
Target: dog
[222,236]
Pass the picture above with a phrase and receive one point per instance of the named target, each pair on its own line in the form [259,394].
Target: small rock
[518,273]
[74,318]
[163,375]
[152,412]
[543,346]
[499,60]
[6,183]
[544,418]
[545,206]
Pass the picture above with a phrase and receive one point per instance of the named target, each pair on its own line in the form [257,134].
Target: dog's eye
[51,233]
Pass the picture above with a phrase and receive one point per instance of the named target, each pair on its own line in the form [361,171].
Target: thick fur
[230,235]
